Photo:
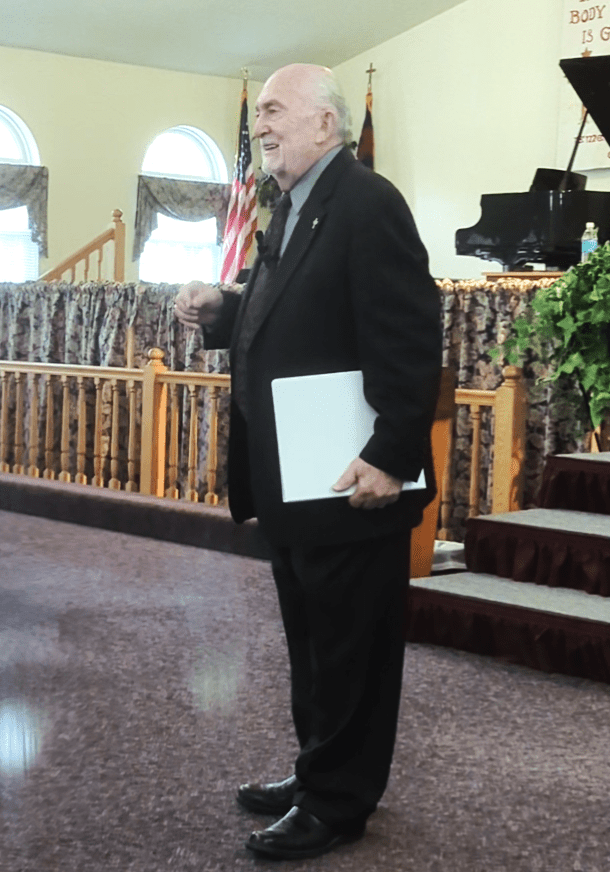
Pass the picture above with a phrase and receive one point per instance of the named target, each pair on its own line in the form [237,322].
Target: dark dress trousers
[352,291]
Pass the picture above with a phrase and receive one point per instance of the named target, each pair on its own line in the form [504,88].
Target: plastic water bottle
[589,240]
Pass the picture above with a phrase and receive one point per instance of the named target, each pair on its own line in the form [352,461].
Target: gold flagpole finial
[245,75]
[370,72]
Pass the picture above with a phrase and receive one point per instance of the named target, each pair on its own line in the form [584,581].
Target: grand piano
[545,224]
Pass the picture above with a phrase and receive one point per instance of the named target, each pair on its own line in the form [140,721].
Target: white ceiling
[213,37]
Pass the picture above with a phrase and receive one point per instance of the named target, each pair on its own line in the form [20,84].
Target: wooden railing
[64,422]
[81,441]
[509,405]
[80,261]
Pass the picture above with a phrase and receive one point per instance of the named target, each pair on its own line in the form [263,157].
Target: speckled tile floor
[141,681]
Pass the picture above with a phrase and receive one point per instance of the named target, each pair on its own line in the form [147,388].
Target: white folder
[323,422]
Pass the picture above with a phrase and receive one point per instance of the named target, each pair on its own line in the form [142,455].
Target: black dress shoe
[274,798]
[299,835]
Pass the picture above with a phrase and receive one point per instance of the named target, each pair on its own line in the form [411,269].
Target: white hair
[331,94]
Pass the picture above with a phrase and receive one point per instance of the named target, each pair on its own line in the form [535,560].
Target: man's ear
[327,127]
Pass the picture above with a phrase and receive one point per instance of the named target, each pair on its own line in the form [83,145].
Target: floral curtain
[86,324]
[27,186]
[177,198]
[476,318]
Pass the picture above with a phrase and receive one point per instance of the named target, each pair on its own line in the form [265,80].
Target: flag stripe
[242,218]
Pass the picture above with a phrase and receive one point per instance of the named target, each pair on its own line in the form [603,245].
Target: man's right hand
[198,303]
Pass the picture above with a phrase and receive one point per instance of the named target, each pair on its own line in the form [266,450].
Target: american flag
[242,218]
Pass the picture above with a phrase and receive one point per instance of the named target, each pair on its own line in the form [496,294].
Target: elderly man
[341,284]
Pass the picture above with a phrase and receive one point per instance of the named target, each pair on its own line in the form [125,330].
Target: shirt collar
[304,187]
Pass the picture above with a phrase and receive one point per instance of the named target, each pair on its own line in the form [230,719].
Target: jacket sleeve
[218,335]
[396,311]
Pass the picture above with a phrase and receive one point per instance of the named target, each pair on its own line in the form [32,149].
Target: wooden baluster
[475,468]
[4,384]
[172,462]
[446,495]
[86,268]
[211,497]
[131,485]
[64,455]
[49,472]
[81,438]
[509,442]
[98,478]
[114,483]
[19,446]
[73,274]
[192,493]
[33,470]
[100,257]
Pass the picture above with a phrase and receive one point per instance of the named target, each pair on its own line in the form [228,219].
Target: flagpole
[366,145]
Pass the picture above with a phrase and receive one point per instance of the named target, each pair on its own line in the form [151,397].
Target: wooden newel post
[509,444]
[119,246]
[154,425]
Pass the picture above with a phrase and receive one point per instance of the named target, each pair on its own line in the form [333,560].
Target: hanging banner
[585,32]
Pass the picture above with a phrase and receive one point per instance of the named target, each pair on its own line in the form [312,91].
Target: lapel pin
[315,224]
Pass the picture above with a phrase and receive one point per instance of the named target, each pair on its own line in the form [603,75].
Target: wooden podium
[423,537]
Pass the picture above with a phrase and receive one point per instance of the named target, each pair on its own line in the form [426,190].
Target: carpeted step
[550,629]
[579,482]
[553,547]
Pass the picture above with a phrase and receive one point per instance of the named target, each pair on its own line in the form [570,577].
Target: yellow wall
[93,122]
[464,104]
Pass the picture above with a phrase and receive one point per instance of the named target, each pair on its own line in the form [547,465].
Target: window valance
[27,186]
[178,198]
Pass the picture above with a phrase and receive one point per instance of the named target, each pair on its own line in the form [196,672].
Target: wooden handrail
[116,233]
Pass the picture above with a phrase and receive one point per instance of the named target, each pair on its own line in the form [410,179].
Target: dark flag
[242,217]
[366,144]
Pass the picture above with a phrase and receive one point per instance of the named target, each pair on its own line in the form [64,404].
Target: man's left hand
[374,488]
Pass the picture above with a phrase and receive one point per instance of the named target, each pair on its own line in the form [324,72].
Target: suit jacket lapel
[310,223]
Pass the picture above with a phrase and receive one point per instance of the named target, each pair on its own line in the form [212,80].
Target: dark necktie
[274,234]
[269,249]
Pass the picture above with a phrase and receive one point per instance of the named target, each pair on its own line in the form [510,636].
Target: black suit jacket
[352,291]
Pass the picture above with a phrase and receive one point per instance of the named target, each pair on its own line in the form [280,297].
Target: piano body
[545,224]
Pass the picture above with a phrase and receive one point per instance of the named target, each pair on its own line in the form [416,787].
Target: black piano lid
[590,78]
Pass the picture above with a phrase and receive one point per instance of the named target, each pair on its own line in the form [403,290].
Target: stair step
[579,482]
[556,630]
[554,547]
[565,520]
[489,588]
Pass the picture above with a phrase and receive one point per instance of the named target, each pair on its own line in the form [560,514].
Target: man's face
[290,127]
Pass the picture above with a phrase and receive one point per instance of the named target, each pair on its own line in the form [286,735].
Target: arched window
[178,251]
[18,254]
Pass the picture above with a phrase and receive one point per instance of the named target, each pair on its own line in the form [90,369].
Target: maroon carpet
[142,680]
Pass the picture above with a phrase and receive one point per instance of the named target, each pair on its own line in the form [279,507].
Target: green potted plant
[566,329]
